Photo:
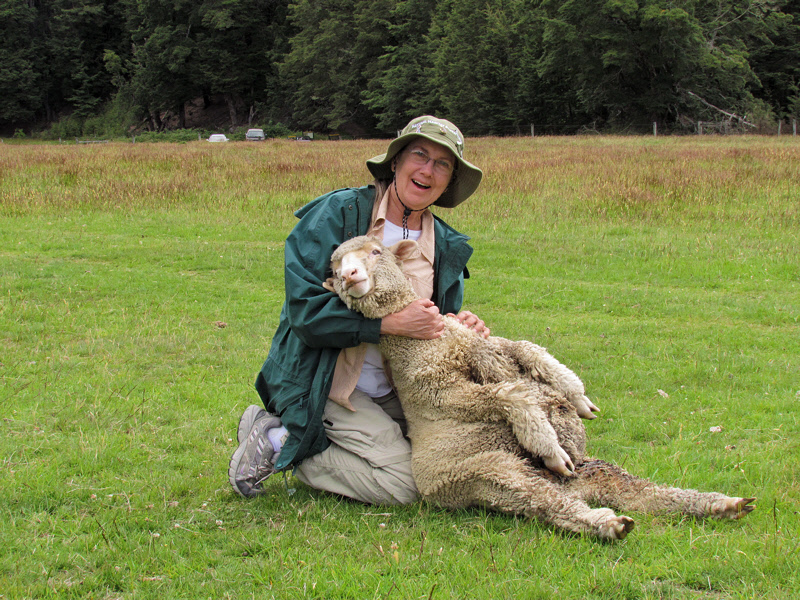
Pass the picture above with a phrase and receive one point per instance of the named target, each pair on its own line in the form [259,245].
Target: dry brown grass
[680,177]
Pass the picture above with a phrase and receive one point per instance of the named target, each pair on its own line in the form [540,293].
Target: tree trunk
[231,108]
[182,116]
[155,119]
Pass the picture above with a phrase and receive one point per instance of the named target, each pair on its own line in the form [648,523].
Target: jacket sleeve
[316,316]
[450,267]
[453,297]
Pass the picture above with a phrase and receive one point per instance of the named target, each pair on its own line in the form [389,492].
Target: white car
[254,135]
[217,137]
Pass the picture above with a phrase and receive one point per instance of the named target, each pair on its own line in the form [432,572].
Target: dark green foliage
[364,67]
[472,90]
[775,56]
[20,75]
[400,88]
[631,63]
[332,59]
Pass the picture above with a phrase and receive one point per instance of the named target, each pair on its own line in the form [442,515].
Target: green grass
[140,286]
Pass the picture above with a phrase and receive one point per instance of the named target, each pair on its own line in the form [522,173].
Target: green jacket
[315,325]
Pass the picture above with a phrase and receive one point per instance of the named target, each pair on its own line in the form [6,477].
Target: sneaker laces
[265,469]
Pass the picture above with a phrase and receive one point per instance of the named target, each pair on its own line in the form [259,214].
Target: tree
[162,66]
[333,56]
[400,88]
[76,36]
[472,74]
[654,60]
[236,45]
[20,78]
[775,59]
[466,60]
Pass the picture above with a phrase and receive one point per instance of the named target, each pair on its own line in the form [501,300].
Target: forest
[362,68]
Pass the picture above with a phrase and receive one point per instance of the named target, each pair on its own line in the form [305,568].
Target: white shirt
[373,380]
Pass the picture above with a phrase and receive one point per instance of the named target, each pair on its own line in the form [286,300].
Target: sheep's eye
[376,251]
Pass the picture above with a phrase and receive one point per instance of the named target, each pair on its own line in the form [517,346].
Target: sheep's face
[364,268]
[352,269]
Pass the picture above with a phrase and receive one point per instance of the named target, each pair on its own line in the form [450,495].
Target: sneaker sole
[235,459]
[249,417]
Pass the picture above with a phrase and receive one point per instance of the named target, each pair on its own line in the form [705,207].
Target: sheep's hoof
[732,508]
[584,407]
[561,463]
[616,528]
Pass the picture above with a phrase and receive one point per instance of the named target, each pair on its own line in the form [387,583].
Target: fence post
[699,128]
[794,127]
[655,129]
[532,131]
[780,124]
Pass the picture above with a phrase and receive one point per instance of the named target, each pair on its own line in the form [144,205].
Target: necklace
[406,211]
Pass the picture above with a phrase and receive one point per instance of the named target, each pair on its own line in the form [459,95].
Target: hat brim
[467,180]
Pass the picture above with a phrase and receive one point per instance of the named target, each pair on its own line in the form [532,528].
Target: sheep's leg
[535,432]
[517,403]
[505,482]
[540,365]
[547,425]
[600,483]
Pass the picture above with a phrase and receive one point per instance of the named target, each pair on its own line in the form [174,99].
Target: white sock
[275,436]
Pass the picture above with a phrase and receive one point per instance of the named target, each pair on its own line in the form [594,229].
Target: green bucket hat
[442,132]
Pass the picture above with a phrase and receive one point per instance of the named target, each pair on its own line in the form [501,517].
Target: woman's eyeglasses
[441,166]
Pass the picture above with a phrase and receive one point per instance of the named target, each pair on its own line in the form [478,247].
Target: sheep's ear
[404,249]
[328,285]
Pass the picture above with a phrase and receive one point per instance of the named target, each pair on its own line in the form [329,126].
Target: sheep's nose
[349,274]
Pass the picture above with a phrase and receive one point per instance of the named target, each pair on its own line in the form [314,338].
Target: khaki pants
[369,458]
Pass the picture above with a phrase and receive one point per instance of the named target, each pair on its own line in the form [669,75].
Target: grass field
[140,285]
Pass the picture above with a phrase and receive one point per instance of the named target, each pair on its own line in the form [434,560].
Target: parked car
[254,135]
[217,137]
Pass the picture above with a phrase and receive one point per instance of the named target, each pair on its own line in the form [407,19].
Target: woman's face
[420,181]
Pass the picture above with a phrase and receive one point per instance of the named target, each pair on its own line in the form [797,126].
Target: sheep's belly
[439,447]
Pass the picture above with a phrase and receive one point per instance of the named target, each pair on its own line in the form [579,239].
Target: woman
[340,424]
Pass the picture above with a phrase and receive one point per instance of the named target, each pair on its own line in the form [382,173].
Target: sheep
[497,423]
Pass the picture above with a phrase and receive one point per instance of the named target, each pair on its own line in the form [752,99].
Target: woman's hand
[421,320]
[472,321]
